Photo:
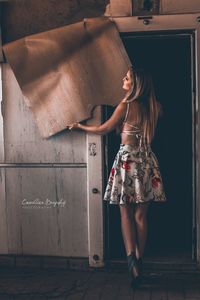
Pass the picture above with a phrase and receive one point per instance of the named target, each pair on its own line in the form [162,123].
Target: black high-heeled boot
[133,268]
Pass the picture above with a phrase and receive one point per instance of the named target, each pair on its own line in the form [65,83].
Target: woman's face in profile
[127,82]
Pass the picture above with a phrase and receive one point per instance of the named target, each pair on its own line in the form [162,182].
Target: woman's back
[132,127]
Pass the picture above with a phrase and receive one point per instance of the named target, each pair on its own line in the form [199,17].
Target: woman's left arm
[116,118]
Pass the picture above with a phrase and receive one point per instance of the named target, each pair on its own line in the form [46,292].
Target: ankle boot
[133,268]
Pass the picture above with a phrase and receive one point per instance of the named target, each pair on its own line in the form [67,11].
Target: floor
[35,284]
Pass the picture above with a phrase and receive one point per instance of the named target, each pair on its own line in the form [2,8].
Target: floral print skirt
[134,177]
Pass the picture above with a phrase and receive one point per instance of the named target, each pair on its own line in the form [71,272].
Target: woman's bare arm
[116,118]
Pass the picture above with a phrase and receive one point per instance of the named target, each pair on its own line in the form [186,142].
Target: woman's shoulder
[121,108]
[123,104]
[124,100]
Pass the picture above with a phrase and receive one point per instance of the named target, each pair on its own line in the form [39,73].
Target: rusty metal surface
[65,72]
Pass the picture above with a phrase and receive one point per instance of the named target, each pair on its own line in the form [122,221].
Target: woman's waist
[135,140]
[145,148]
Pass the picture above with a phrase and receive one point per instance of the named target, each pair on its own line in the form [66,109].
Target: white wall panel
[40,227]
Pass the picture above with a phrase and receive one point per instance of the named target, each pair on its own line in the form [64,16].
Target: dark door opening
[168,58]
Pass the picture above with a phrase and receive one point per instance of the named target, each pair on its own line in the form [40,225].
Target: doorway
[170,225]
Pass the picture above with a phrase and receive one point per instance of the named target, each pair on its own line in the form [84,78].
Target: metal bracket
[146,19]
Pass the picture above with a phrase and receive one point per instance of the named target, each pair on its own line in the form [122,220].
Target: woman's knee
[140,213]
[126,211]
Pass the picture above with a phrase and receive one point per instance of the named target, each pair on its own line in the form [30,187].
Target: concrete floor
[35,284]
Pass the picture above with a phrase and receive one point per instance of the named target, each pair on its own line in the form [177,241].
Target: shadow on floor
[30,284]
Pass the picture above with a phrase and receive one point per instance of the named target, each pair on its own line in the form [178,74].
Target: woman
[135,178]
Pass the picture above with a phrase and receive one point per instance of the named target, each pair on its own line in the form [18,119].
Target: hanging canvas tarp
[65,72]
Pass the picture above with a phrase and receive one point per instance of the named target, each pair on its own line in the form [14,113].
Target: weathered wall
[25,17]
[135,7]
[22,17]
[179,6]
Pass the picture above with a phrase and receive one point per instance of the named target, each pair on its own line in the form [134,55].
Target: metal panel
[23,144]
[153,23]
[95,194]
[39,169]
[3,215]
[36,225]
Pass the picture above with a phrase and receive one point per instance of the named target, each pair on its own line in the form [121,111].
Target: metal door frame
[171,24]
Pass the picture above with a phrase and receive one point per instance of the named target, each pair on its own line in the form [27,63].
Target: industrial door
[50,189]
[170,224]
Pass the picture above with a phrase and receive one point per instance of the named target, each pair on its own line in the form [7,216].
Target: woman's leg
[140,216]
[128,228]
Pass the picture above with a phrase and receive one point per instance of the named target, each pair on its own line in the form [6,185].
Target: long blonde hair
[142,89]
